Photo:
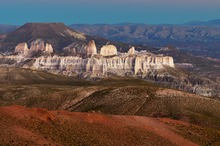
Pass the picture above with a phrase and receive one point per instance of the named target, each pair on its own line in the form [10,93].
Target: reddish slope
[20,126]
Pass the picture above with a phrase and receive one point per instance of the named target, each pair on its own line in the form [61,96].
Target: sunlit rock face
[108,50]
[48,48]
[22,48]
[36,46]
[131,51]
[39,45]
[108,61]
[144,63]
[91,48]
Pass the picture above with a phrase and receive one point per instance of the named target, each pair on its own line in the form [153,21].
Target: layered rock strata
[105,62]
[120,65]
[11,61]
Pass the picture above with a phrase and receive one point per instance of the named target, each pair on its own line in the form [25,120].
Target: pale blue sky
[108,11]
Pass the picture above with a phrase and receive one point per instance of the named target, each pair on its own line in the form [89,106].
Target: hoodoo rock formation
[48,48]
[108,50]
[36,46]
[22,48]
[131,51]
[91,48]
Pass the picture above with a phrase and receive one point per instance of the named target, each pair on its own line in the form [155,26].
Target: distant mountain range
[215,22]
[199,38]
[7,28]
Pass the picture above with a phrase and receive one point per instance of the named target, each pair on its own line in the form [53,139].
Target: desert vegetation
[111,96]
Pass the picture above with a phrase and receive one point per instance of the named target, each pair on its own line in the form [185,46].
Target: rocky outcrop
[48,48]
[131,51]
[36,46]
[22,49]
[108,50]
[91,48]
[120,65]
[108,61]
[11,61]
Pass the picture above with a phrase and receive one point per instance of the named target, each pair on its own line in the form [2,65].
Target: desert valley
[63,87]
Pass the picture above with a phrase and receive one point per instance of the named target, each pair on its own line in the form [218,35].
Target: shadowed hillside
[54,33]
[112,96]
[7,28]
[120,96]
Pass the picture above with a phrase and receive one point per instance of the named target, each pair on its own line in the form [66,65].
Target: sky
[18,12]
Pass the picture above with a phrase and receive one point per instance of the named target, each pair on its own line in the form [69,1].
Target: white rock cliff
[108,50]
[91,48]
[105,62]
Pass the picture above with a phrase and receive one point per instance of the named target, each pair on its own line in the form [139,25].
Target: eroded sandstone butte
[89,61]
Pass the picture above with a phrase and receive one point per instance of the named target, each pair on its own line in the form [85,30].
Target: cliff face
[120,65]
[108,60]
[108,50]
[11,61]
[131,51]
[88,63]
[36,46]
[22,48]
[91,48]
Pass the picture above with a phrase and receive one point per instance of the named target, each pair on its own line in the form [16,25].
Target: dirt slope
[20,126]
